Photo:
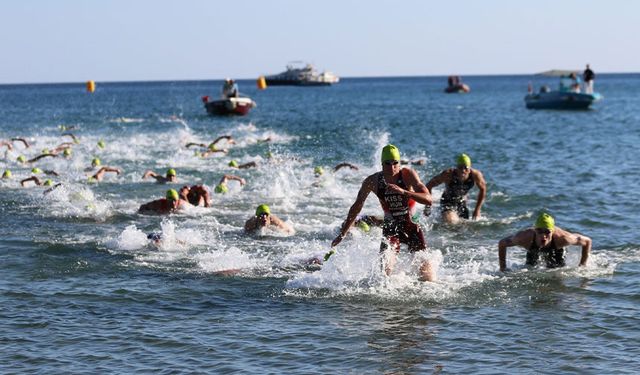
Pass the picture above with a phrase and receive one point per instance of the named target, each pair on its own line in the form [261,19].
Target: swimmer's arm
[437,180]
[195,144]
[282,225]
[482,192]
[150,174]
[251,225]
[420,192]
[229,139]
[367,187]
[40,157]
[35,179]
[24,141]
[577,239]
[250,164]
[345,165]
[75,139]
[227,177]
[519,239]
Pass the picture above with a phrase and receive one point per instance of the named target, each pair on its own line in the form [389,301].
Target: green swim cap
[45,151]
[463,160]
[96,162]
[173,195]
[101,144]
[318,170]
[48,182]
[62,127]
[66,152]
[91,180]
[171,172]
[545,221]
[233,163]
[197,153]
[390,152]
[263,209]
[36,170]
[364,226]
[269,155]
[21,159]
[6,174]
[212,147]
[221,189]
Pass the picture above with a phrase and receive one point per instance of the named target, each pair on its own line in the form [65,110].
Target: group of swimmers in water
[397,187]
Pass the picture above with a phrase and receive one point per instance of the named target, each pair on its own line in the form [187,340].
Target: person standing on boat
[398,189]
[229,89]
[588,76]
[546,240]
[458,181]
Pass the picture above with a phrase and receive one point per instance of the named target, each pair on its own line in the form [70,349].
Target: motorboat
[239,106]
[455,86]
[569,95]
[301,75]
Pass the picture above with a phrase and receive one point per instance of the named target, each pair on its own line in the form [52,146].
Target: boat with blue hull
[569,96]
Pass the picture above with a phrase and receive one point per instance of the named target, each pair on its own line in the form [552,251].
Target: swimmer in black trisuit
[398,189]
[196,195]
[171,203]
[458,181]
[545,240]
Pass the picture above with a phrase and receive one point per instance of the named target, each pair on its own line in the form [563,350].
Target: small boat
[455,86]
[301,76]
[231,106]
[568,96]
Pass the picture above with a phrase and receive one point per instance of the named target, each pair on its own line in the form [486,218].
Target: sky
[143,40]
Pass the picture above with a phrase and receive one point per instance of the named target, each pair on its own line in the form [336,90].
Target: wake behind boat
[301,75]
[569,96]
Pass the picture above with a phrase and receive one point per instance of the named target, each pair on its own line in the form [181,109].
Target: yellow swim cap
[463,160]
[318,170]
[92,180]
[263,209]
[66,152]
[21,159]
[212,147]
[233,163]
[221,189]
[96,162]
[390,152]
[48,182]
[6,174]
[45,151]
[101,144]
[269,154]
[36,170]
[173,195]
[545,221]
[171,172]
[364,226]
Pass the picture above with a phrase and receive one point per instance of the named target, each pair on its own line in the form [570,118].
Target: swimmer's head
[463,160]
[221,189]
[45,151]
[6,174]
[269,154]
[545,221]
[212,147]
[318,171]
[390,153]
[364,226]
[171,172]
[101,144]
[92,180]
[172,195]
[21,159]
[262,210]
[36,170]
[233,164]
[48,182]
[96,162]
[66,152]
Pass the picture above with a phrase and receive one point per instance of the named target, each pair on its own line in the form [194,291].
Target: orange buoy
[91,86]
[262,83]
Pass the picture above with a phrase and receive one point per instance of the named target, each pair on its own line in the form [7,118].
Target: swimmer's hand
[329,254]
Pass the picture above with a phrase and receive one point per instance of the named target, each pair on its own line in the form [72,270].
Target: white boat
[301,75]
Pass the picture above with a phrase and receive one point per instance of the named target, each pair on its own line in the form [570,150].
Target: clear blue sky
[118,40]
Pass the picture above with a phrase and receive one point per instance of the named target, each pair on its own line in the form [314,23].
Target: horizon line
[248,79]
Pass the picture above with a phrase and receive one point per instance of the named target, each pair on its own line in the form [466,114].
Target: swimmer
[37,181]
[171,203]
[228,138]
[345,165]
[196,195]
[73,137]
[98,176]
[234,164]
[265,219]
[458,181]
[546,240]
[170,176]
[222,187]
[397,189]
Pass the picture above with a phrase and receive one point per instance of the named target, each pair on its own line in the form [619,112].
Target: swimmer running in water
[546,240]
[458,181]
[397,189]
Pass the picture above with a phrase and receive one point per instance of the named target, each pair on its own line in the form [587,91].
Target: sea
[83,290]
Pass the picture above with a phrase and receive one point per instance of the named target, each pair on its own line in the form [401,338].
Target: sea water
[84,291]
